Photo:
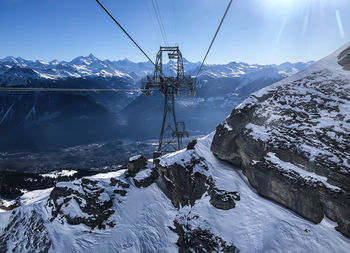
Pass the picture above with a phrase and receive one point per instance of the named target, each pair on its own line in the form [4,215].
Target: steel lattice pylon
[172,131]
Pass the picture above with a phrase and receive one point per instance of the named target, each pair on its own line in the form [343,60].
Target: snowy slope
[291,139]
[321,92]
[143,217]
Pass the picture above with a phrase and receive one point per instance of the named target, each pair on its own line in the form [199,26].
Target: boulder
[135,164]
[92,205]
[200,240]
[147,180]
[223,199]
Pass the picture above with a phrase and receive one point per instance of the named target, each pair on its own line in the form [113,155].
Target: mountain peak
[92,57]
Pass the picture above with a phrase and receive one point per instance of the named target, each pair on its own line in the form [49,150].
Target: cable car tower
[172,131]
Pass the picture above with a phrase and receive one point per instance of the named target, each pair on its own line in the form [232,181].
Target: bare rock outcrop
[135,164]
[292,141]
[200,240]
[82,202]
[187,181]
[25,233]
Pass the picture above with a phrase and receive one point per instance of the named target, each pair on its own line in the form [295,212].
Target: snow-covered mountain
[188,202]
[288,143]
[26,116]
[18,71]
[292,140]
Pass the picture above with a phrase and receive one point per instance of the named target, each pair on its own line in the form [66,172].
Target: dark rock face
[121,186]
[344,59]
[285,145]
[185,186]
[135,164]
[146,181]
[119,183]
[12,184]
[25,234]
[191,145]
[200,240]
[92,204]
[223,199]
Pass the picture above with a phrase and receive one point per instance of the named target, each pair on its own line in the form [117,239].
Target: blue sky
[255,31]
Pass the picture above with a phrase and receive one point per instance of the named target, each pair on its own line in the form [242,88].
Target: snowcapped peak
[85,60]
[41,62]
[92,57]
[15,60]
[54,62]
[126,60]
[185,60]
[10,59]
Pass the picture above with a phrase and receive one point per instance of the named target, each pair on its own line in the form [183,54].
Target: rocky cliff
[292,141]
[188,201]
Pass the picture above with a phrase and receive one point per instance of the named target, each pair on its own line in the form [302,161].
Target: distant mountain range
[46,120]
[18,71]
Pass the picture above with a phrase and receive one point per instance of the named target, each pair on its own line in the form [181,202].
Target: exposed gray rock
[135,164]
[146,181]
[292,141]
[184,185]
[187,183]
[344,59]
[191,145]
[200,240]
[223,199]
[119,183]
[92,204]
[25,234]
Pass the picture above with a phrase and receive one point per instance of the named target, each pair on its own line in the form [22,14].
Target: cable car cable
[109,14]
[216,33]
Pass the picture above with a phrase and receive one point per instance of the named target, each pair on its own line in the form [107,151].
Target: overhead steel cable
[109,14]
[175,26]
[159,20]
[216,33]
[34,89]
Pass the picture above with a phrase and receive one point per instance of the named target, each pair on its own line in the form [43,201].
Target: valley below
[273,175]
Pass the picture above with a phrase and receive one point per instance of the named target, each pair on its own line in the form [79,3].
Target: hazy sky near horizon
[255,31]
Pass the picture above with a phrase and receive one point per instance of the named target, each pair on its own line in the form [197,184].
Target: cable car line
[156,8]
[109,14]
[34,89]
[216,33]
[175,26]
[159,19]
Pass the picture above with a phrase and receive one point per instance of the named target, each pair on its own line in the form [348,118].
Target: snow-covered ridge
[328,63]
[292,140]
[134,219]
[63,173]
[15,70]
[312,103]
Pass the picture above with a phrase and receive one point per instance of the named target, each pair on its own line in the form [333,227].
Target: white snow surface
[329,63]
[297,111]
[62,173]
[143,174]
[134,158]
[142,217]
[14,71]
